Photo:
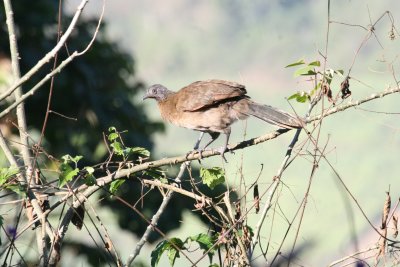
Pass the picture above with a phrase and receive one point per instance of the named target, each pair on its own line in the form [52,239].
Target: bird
[212,106]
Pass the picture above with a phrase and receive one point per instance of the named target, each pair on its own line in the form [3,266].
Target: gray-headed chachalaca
[212,106]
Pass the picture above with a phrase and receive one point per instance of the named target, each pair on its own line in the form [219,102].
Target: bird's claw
[222,151]
[194,151]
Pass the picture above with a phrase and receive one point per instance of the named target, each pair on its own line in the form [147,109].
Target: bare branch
[49,55]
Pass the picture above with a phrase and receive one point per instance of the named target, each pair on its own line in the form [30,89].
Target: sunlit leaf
[172,246]
[308,70]
[173,250]
[112,136]
[68,158]
[115,185]
[118,149]
[67,174]
[212,177]
[6,173]
[297,63]
[206,242]
[157,252]
[315,63]
[300,97]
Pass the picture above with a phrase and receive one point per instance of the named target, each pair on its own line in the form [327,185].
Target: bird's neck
[167,106]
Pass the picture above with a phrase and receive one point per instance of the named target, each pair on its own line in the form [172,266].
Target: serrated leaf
[172,255]
[205,242]
[212,177]
[173,251]
[305,71]
[67,174]
[172,246]
[157,252]
[115,185]
[6,173]
[316,63]
[297,63]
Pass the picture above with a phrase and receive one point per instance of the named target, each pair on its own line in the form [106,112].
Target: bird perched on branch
[212,106]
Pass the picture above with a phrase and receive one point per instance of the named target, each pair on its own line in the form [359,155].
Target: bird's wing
[203,94]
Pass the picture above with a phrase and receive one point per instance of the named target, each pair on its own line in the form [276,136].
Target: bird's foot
[194,151]
[222,151]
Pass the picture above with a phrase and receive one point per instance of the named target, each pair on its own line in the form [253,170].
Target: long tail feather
[273,115]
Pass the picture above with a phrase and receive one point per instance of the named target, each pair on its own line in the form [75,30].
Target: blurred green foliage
[98,89]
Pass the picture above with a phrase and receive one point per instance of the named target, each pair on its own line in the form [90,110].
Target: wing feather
[203,94]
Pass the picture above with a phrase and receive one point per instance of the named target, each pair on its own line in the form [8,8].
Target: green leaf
[340,72]
[67,174]
[89,177]
[212,177]
[315,63]
[117,146]
[6,173]
[155,173]
[115,185]
[172,246]
[140,151]
[89,169]
[157,252]
[214,265]
[297,63]
[173,252]
[112,136]
[112,129]
[205,242]
[17,188]
[300,97]
[68,158]
[305,71]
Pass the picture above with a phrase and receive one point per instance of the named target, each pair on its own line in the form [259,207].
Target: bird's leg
[225,147]
[197,145]
[214,136]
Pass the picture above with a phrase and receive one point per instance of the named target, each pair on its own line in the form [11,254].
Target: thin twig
[49,55]
[156,217]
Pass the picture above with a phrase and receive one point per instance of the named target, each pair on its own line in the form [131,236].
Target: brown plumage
[212,106]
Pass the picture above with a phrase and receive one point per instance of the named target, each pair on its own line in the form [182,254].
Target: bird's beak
[147,96]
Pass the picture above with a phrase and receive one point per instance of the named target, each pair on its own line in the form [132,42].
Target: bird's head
[158,92]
